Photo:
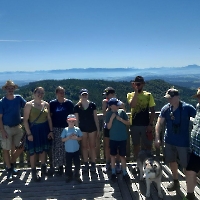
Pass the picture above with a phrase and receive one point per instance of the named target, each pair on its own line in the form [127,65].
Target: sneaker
[118,168]
[126,178]
[15,171]
[68,179]
[35,177]
[85,168]
[113,178]
[9,174]
[173,186]
[93,167]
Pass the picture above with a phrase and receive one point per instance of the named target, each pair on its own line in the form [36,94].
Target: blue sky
[61,34]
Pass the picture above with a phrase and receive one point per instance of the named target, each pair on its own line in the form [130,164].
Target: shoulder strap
[38,116]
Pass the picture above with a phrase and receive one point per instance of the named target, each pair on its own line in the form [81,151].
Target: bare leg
[174,169]
[123,162]
[107,148]
[92,144]
[42,157]
[6,157]
[32,161]
[15,154]
[84,145]
[191,180]
[112,161]
[136,151]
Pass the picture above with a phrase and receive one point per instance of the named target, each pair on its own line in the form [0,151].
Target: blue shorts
[118,146]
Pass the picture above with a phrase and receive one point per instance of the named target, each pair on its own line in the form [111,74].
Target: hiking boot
[35,177]
[68,179]
[93,167]
[189,197]
[113,178]
[173,186]
[118,168]
[86,167]
[9,174]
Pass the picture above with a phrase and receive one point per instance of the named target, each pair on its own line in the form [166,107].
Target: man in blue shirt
[177,115]
[10,128]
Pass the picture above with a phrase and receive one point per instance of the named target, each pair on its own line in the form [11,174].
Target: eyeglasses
[84,94]
[71,121]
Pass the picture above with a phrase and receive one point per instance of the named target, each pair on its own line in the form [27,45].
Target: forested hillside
[96,87]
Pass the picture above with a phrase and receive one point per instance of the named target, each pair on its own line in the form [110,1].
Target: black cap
[171,93]
[83,91]
[138,79]
[108,90]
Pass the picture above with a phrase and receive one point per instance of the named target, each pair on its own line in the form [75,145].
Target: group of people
[58,126]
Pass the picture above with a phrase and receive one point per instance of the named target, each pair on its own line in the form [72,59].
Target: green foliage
[96,88]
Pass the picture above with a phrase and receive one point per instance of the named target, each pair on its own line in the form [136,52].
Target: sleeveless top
[35,112]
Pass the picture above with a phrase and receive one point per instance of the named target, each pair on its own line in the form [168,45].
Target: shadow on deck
[94,186]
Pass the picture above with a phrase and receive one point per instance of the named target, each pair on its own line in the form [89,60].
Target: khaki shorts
[15,134]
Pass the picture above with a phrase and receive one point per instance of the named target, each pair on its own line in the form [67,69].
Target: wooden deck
[94,186]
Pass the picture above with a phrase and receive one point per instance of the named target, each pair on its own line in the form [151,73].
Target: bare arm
[27,110]
[104,107]
[96,120]
[2,130]
[126,122]
[77,119]
[50,135]
[158,128]
[109,124]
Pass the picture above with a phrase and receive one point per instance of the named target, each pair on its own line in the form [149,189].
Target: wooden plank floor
[94,186]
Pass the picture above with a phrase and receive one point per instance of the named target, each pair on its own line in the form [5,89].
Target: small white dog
[150,170]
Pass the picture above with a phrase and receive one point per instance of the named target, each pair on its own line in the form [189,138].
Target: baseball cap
[114,101]
[71,117]
[108,90]
[171,93]
[83,91]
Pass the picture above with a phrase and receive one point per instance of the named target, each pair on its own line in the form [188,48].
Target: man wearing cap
[10,128]
[193,166]
[141,102]
[109,92]
[177,115]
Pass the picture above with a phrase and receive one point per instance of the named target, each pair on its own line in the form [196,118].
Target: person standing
[70,136]
[116,121]
[10,128]
[38,126]
[60,108]
[87,120]
[109,93]
[193,166]
[177,115]
[141,102]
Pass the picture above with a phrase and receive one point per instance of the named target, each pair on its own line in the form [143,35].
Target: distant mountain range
[188,76]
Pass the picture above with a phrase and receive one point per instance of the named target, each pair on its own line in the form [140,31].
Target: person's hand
[149,128]
[98,134]
[135,87]
[4,134]
[30,138]
[73,137]
[118,118]
[113,116]
[50,136]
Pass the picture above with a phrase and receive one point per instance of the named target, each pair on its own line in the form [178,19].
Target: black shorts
[106,132]
[194,163]
[88,129]
[116,146]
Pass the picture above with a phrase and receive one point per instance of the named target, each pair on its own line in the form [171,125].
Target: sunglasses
[71,121]
[138,84]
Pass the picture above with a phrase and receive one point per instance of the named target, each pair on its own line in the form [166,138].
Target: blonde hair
[37,88]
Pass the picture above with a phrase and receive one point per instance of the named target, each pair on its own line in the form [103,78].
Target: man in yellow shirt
[141,102]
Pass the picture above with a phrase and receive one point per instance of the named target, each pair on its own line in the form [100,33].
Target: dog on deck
[150,170]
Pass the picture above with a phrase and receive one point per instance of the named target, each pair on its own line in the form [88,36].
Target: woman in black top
[60,108]
[88,123]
